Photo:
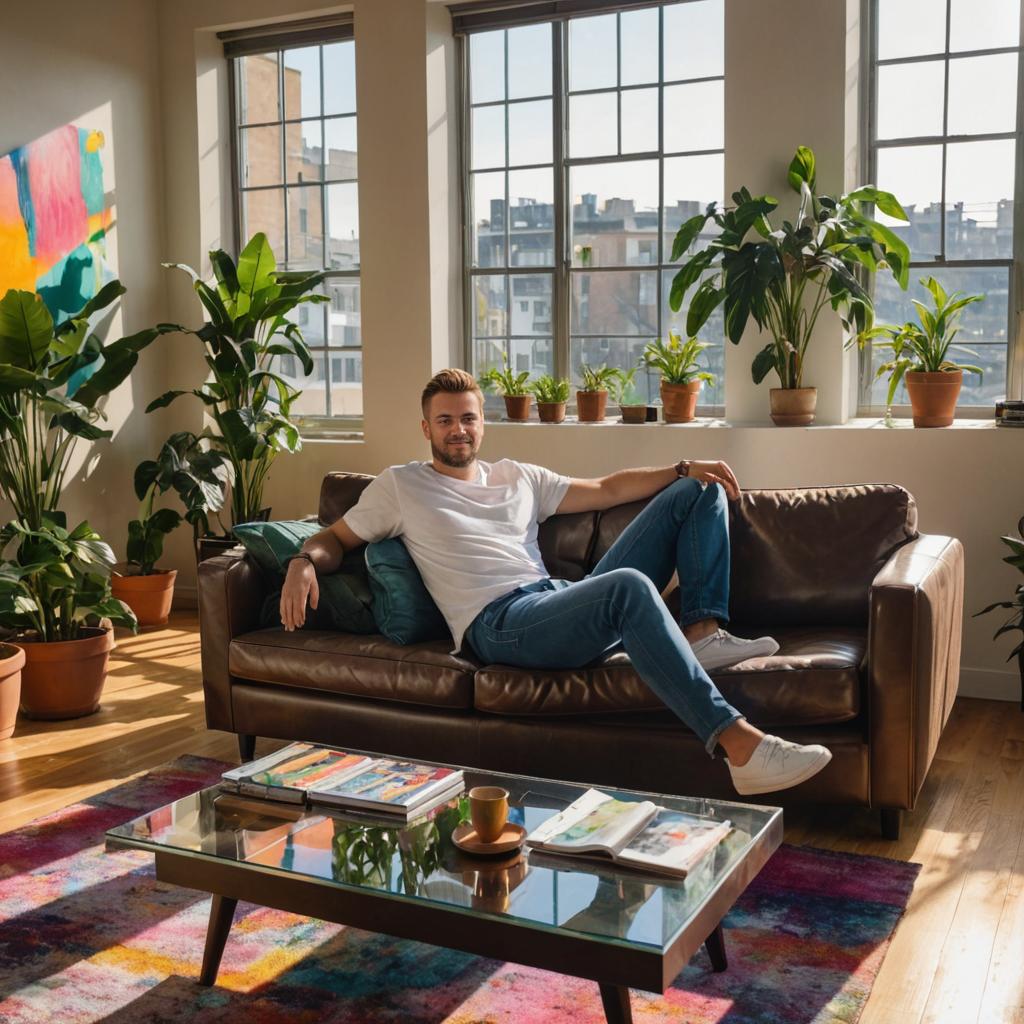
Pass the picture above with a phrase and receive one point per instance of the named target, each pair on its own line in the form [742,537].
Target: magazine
[394,787]
[638,834]
[289,773]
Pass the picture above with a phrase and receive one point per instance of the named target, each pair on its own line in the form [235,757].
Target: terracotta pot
[633,413]
[517,407]
[933,396]
[680,401]
[148,596]
[64,678]
[793,407]
[12,661]
[590,406]
[551,412]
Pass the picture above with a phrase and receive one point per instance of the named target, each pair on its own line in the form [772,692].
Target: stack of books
[1010,414]
[305,773]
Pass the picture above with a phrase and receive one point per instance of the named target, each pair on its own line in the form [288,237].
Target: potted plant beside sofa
[784,276]
[55,596]
[12,661]
[681,377]
[920,356]
[512,387]
[552,394]
[592,396]
[1016,620]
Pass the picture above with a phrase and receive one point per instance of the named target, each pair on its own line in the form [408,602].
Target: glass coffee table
[618,927]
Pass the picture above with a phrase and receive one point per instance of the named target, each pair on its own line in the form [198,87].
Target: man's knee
[627,585]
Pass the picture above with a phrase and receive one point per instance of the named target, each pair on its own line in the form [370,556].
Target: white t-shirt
[471,541]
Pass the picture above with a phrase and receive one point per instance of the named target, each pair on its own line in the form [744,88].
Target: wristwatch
[302,554]
[683,467]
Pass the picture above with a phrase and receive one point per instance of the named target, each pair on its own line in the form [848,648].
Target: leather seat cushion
[357,666]
[814,679]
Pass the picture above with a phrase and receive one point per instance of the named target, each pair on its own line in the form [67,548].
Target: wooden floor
[957,957]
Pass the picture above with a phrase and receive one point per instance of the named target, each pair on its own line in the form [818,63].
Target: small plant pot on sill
[64,678]
[679,401]
[551,412]
[148,596]
[633,413]
[517,407]
[591,405]
[933,396]
[12,661]
[793,407]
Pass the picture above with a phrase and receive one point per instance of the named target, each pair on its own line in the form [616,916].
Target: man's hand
[300,584]
[717,473]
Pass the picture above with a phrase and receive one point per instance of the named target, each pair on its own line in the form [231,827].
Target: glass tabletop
[419,862]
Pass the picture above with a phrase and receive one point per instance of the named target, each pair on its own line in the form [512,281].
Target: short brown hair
[452,381]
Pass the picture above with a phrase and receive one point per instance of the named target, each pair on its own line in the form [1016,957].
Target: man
[471,529]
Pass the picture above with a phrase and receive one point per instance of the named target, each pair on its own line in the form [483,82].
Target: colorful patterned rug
[87,935]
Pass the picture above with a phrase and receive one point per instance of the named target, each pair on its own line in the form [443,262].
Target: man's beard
[456,461]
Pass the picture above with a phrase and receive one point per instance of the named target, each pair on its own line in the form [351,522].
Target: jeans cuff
[719,729]
[688,618]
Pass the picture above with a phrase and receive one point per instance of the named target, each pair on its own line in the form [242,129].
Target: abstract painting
[54,218]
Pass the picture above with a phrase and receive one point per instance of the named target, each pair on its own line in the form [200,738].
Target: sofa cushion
[356,666]
[815,679]
[402,606]
[273,542]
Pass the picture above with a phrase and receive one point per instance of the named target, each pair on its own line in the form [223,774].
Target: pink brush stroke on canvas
[55,180]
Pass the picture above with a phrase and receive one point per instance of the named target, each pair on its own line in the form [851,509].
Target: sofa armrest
[231,593]
[915,625]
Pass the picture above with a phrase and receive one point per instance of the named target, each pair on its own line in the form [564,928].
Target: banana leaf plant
[52,378]
[1016,619]
[199,476]
[249,403]
[53,582]
[783,277]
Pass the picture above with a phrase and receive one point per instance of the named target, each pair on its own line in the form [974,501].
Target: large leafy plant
[924,346]
[53,582]
[784,276]
[1016,619]
[52,378]
[676,360]
[249,327]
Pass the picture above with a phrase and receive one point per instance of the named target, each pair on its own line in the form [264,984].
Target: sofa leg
[247,747]
[892,818]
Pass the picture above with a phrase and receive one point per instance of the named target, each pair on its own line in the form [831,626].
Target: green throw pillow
[345,596]
[402,606]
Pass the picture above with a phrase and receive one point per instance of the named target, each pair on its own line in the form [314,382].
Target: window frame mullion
[561,283]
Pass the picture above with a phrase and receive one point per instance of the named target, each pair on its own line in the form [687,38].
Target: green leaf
[164,400]
[740,290]
[686,276]
[884,201]
[111,291]
[764,363]
[256,266]
[74,424]
[801,169]
[705,300]
[26,329]
[689,230]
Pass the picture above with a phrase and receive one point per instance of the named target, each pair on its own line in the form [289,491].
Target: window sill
[714,423]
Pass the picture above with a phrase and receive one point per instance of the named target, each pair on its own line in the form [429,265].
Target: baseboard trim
[990,684]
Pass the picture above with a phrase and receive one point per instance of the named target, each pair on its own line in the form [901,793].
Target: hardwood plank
[1003,999]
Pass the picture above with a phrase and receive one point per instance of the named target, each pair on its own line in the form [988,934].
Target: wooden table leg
[221,913]
[715,945]
[616,1004]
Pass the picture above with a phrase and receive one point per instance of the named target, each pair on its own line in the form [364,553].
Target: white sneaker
[778,764]
[723,650]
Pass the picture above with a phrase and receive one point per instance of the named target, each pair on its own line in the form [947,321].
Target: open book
[637,834]
[306,772]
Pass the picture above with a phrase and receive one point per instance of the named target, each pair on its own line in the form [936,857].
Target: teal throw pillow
[345,597]
[402,606]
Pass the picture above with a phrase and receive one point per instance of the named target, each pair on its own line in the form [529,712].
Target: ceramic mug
[488,810]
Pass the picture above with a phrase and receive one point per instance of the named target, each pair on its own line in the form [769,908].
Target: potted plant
[783,277]
[12,661]
[199,476]
[512,387]
[551,393]
[592,396]
[249,403]
[1016,620]
[55,596]
[681,377]
[632,406]
[919,356]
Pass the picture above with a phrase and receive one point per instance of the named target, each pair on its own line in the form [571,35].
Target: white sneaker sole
[712,664]
[786,782]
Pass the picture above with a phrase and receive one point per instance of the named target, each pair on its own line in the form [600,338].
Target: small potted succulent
[681,377]
[512,387]
[1016,620]
[551,393]
[919,356]
[592,396]
[632,405]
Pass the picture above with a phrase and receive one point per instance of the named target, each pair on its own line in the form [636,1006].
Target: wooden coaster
[465,838]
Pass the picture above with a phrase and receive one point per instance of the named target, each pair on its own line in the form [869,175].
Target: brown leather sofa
[867,611]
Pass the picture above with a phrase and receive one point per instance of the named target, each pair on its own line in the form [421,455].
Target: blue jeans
[559,624]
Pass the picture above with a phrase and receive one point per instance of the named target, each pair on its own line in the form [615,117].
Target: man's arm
[323,553]
[637,484]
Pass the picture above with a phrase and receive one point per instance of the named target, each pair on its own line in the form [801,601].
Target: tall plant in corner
[250,404]
[784,276]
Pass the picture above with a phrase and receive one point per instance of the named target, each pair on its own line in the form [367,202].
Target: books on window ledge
[308,773]
[635,834]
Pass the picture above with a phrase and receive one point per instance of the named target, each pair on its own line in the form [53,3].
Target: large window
[295,125]
[588,141]
[945,131]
